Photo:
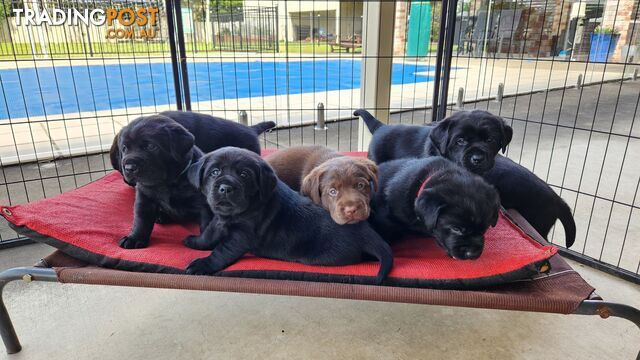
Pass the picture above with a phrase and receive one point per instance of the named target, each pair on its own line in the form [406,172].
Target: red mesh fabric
[94,217]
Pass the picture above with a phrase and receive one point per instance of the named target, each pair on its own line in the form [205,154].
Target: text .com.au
[144,18]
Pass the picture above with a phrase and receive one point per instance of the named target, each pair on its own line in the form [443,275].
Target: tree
[226,6]
[215,7]
[6,9]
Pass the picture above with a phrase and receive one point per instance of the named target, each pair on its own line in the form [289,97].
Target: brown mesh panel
[560,291]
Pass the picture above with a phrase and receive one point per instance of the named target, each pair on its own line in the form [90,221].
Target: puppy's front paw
[191,241]
[162,219]
[200,266]
[196,242]
[129,242]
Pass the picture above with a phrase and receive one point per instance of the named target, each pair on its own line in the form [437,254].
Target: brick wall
[619,15]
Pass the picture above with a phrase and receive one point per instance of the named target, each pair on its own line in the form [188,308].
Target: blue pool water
[71,89]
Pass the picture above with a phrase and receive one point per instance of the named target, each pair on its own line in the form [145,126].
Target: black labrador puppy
[470,138]
[522,190]
[435,197]
[256,212]
[473,139]
[212,133]
[153,154]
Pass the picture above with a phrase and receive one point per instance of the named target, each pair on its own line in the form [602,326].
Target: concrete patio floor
[87,322]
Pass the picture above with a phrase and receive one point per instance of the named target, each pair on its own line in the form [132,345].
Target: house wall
[621,15]
[351,18]
[292,13]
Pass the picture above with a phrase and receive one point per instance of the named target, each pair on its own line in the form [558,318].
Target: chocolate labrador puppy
[153,153]
[435,197]
[256,212]
[473,139]
[341,184]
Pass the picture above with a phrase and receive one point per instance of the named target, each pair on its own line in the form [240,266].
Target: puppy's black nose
[131,168]
[225,189]
[476,159]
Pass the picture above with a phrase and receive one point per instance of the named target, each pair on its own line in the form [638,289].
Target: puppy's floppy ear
[194,173]
[371,169]
[439,135]
[507,134]
[428,207]
[180,140]
[493,218]
[114,153]
[268,180]
[311,184]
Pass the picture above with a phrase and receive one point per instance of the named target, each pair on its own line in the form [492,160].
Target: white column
[337,21]
[377,53]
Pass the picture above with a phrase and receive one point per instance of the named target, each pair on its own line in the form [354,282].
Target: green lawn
[303,47]
[98,49]
[61,50]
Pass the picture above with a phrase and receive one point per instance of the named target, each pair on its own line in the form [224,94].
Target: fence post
[208,32]
[460,99]
[89,41]
[320,118]
[447,54]
[375,74]
[438,70]
[500,93]
[243,118]
[171,34]
[183,55]
[277,34]
[579,82]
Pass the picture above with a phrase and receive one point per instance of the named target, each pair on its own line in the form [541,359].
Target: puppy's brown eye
[461,141]
[215,172]
[151,147]
[489,140]
[333,192]
[244,174]
[360,186]
[124,148]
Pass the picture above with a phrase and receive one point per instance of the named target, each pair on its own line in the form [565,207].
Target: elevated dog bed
[88,222]
[517,271]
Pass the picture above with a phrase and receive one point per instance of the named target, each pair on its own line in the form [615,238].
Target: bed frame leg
[7,331]
[28,274]
[606,309]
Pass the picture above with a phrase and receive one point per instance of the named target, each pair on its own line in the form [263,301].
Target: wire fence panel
[66,90]
[316,59]
[78,39]
[561,72]
[251,29]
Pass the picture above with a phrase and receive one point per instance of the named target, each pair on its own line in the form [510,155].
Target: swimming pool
[71,89]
